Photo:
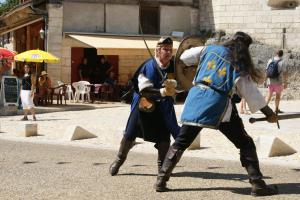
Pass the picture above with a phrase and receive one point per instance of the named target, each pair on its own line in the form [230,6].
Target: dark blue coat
[159,124]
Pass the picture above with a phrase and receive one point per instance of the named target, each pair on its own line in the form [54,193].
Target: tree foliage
[7,5]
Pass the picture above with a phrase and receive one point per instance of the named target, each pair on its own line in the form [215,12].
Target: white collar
[160,64]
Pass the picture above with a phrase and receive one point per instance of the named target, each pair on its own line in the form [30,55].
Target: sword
[280,117]
[278,126]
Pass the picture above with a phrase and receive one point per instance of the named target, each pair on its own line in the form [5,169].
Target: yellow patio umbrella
[37,56]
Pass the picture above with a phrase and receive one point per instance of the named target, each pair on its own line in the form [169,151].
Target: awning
[119,45]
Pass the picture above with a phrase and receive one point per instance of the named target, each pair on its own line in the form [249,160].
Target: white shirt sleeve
[191,56]
[144,82]
[248,90]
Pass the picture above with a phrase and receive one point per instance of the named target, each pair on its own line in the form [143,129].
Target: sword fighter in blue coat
[223,72]
[152,115]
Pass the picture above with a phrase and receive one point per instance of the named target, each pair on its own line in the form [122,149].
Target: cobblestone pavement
[44,171]
[107,121]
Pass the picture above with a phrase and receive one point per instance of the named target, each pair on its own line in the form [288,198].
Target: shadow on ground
[283,188]
[74,107]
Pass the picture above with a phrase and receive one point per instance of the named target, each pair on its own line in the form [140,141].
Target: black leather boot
[260,188]
[162,149]
[172,158]
[125,146]
[250,161]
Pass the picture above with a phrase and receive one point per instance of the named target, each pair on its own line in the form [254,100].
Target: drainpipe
[283,38]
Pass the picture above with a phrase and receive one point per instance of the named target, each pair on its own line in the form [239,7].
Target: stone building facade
[279,26]
[272,25]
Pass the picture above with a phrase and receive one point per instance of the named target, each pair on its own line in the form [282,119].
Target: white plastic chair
[81,90]
[59,83]
[70,93]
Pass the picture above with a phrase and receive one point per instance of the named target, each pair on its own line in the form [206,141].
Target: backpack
[272,69]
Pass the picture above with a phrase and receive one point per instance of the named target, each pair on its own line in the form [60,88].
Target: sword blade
[280,117]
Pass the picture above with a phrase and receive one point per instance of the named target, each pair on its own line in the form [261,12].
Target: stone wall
[54,40]
[83,17]
[122,19]
[170,20]
[254,17]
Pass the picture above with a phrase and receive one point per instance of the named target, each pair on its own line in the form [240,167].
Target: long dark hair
[239,46]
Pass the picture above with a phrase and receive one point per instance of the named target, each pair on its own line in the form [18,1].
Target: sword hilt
[253,120]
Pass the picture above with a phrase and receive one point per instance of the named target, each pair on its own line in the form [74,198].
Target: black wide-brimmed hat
[165,40]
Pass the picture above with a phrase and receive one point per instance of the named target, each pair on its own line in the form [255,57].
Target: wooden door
[77,54]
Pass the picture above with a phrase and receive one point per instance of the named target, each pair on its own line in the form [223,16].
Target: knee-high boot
[250,161]
[172,158]
[162,149]
[125,146]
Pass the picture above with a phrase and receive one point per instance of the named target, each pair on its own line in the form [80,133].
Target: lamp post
[42,33]
[42,36]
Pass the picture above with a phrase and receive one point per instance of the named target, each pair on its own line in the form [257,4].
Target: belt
[206,84]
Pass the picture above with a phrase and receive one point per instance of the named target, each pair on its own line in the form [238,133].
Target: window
[149,19]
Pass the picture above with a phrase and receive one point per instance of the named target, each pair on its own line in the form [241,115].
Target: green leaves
[7,5]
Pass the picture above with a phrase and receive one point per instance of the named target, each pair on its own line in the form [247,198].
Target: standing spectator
[105,69]
[84,71]
[277,80]
[28,87]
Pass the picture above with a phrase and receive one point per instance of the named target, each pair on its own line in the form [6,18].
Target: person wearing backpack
[276,74]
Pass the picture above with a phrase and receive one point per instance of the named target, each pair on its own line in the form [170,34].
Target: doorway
[92,71]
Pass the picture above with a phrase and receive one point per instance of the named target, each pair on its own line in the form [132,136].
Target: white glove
[169,89]
[170,83]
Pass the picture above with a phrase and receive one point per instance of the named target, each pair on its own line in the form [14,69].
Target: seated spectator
[110,80]
[113,86]
[44,87]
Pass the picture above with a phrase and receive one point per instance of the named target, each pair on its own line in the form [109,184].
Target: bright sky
[2,1]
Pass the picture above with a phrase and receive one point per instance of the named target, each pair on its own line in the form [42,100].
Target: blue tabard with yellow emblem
[208,99]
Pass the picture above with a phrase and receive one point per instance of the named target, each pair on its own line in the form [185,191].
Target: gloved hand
[268,112]
[170,83]
[272,118]
[169,89]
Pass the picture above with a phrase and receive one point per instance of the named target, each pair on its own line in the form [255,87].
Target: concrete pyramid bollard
[195,144]
[77,133]
[28,130]
[270,146]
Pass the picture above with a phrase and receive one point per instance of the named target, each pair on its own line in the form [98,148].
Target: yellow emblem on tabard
[222,72]
[211,64]
[207,79]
